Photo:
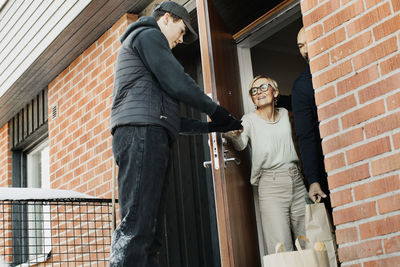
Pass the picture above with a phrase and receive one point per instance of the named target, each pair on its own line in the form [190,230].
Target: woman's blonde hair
[271,82]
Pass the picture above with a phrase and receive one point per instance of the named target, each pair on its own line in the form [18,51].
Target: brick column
[5,157]
[5,181]
[355,59]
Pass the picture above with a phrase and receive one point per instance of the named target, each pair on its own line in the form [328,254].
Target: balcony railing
[54,228]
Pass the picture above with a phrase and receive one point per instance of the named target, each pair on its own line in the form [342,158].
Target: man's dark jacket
[150,82]
[306,127]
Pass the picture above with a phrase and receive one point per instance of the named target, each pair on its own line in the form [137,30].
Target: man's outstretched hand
[223,121]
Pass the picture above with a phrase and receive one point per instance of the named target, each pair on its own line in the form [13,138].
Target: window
[30,168]
[38,215]
[38,166]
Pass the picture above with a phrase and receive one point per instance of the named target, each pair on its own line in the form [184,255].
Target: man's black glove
[223,128]
[222,116]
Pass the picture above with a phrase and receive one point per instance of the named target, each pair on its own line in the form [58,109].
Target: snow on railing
[53,226]
[17,193]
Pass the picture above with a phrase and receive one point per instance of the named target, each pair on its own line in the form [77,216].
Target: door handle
[236,160]
[207,164]
[226,151]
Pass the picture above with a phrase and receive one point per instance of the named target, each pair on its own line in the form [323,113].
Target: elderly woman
[275,165]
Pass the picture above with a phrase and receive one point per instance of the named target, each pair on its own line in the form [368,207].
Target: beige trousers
[282,206]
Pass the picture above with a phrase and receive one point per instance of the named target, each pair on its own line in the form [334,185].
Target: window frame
[28,131]
[23,219]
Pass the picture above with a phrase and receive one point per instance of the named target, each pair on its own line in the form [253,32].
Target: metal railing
[56,231]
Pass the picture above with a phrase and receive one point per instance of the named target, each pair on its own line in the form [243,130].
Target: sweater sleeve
[155,53]
[240,142]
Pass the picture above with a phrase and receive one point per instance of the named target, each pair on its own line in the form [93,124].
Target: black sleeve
[192,126]
[306,129]
[155,53]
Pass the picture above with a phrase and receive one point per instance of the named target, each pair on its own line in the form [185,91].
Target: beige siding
[27,29]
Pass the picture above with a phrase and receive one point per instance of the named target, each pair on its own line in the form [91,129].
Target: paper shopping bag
[315,257]
[319,228]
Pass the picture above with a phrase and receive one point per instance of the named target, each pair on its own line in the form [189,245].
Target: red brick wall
[5,157]
[80,139]
[5,181]
[355,59]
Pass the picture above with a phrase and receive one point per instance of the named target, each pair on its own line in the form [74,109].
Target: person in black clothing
[306,127]
[149,84]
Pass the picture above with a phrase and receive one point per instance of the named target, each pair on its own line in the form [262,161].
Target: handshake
[223,121]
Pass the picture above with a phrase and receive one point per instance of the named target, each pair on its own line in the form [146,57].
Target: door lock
[214,146]
[226,159]
[207,164]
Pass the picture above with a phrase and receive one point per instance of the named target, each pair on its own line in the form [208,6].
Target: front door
[237,228]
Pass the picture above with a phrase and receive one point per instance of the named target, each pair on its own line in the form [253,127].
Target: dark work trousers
[143,156]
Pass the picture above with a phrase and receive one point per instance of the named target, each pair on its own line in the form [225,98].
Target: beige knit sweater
[271,143]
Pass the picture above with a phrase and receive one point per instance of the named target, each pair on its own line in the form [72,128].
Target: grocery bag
[314,257]
[319,228]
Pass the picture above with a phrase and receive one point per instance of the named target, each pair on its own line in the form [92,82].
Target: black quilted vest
[138,98]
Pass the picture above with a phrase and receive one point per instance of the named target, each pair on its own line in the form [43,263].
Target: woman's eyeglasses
[263,88]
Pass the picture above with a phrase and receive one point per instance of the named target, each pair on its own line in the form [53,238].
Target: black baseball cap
[181,12]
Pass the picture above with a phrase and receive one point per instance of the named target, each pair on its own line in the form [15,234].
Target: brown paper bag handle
[297,242]
[279,248]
